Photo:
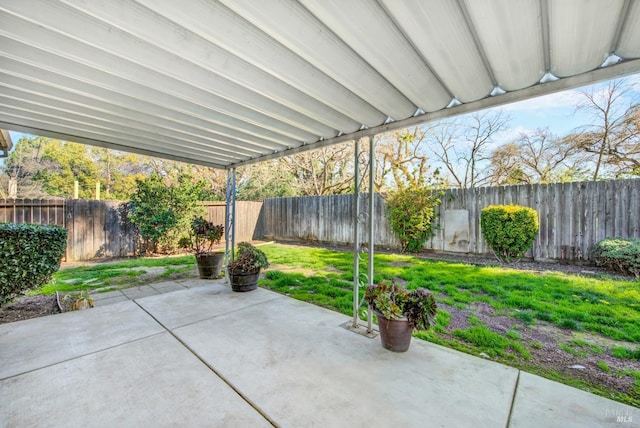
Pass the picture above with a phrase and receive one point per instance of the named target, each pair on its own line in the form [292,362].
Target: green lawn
[599,307]
[602,307]
[106,276]
[605,306]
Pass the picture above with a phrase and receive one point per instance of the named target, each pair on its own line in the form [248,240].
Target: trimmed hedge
[509,230]
[620,254]
[29,255]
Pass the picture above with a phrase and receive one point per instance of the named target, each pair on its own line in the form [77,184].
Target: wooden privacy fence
[573,217]
[327,219]
[46,211]
[98,229]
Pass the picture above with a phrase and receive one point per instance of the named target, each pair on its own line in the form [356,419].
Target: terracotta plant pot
[244,281]
[210,265]
[395,335]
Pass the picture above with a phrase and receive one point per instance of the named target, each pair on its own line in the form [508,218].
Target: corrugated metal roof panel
[227,82]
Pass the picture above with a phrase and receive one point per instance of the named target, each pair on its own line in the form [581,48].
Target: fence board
[634,211]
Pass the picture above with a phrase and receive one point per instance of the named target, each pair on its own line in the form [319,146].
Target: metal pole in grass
[356,243]
[372,194]
[233,214]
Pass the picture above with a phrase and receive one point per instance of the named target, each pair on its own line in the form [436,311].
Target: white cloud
[510,134]
[558,100]
[634,80]
[564,100]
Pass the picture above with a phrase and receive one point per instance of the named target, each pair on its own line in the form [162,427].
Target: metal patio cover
[224,83]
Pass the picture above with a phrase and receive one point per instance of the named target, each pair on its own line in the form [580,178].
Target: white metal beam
[124,99]
[108,47]
[46,132]
[153,127]
[291,24]
[614,71]
[141,133]
[246,81]
[71,127]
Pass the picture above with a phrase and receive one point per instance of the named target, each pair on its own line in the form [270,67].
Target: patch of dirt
[28,307]
[547,353]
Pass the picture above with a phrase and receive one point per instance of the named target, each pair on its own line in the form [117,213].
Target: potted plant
[399,312]
[244,271]
[204,235]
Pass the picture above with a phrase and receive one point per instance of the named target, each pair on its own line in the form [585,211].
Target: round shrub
[509,230]
[30,254]
[619,254]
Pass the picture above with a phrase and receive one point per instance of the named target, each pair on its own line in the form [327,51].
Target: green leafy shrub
[619,254]
[162,209]
[249,259]
[411,212]
[509,230]
[30,254]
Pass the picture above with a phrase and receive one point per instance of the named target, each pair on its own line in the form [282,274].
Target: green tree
[18,177]
[266,180]
[118,172]
[42,167]
[69,162]
[411,213]
[162,208]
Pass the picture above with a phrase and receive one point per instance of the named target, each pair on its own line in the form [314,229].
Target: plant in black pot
[204,236]
[244,271]
[399,312]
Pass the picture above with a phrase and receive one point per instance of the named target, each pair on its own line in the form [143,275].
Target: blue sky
[556,111]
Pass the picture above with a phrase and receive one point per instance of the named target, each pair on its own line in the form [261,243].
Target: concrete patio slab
[541,402]
[166,287]
[207,356]
[192,282]
[303,369]
[35,343]
[139,292]
[110,301]
[196,304]
[106,296]
[149,382]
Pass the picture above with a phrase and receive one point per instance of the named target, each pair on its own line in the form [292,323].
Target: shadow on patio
[206,356]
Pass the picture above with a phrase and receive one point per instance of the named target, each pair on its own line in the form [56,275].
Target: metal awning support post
[230,217]
[372,194]
[233,216]
[356,230]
